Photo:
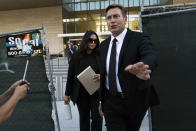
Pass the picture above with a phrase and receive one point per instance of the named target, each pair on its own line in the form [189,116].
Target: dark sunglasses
[90,40]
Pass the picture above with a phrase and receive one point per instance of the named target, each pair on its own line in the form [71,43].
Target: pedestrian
[87,104]
[126,62]
[75,48]
[69,50]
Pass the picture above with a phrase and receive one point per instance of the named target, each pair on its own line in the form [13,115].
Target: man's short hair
[116,6]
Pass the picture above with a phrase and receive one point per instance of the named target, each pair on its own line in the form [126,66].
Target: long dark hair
[84,44]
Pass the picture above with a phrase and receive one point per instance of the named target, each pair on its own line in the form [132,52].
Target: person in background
[78,46]
[87,104]
[10,98]
[69,50]
[126,61]
[75,48]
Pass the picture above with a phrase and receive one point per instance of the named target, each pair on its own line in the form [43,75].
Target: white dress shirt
[120,39]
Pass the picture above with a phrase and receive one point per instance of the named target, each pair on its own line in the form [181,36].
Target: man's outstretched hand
[139,69]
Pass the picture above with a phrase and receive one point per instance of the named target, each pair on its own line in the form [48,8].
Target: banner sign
[28,44]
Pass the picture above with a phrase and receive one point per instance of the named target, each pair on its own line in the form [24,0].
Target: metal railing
[59,67]
[51,85]
[168,9]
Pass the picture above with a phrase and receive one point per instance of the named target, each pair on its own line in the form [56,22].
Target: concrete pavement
[59,69]
[73,125]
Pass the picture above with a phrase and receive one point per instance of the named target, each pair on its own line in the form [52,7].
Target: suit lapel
[124,46]
[105,51]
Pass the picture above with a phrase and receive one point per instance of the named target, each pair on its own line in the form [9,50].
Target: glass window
[69,7]
[97,5]
[141,2]
[98,26]
[102,5]
[92,5]
[66,1]
[73,7]
[94,17]
[112,2]
[126,3]
[81,26]
[77,6]
[153,2]
[146,2]
[133,22]
[106,3]
[135,3]
[104,26]
[82,15]
[70,27]
[92,25]
[83,6]
[121,2]
[159,1]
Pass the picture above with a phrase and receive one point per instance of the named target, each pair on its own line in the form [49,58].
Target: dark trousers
[88,110]
[118,117]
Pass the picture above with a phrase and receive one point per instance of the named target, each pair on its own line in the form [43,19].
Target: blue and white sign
[24,44]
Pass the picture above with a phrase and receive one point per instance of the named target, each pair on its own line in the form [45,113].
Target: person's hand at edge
[139,69]
[96,77]
[17,83]
[100,110]
[66,99]
[21,91]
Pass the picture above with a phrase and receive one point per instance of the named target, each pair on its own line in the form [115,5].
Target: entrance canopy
[78,36]
[81,34]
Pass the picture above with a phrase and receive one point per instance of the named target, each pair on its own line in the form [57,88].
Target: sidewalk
[61,66]
[73,125]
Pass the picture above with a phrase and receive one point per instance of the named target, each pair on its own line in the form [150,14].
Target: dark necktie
[112,69]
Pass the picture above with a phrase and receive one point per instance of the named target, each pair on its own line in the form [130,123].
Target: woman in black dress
[87,104]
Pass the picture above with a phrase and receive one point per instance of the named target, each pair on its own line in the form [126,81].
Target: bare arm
[7,108]
[7,94]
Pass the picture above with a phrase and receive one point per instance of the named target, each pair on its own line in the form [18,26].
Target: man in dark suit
[127,59]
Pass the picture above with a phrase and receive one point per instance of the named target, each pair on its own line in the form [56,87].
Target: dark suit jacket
[139,94]
[75,68]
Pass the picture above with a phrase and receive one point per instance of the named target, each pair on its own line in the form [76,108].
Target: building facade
[26,14]
[82,15]
[64,19]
